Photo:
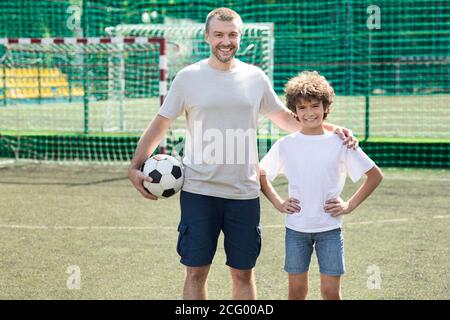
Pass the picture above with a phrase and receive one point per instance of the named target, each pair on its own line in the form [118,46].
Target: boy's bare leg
[298,286]
[330,287]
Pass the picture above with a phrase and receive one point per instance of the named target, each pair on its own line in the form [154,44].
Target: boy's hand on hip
[336,207]
[291,205]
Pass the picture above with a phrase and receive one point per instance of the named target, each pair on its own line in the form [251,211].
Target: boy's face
[224,38]
[310,113]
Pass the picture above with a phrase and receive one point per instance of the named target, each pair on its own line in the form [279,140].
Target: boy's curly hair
[308,85]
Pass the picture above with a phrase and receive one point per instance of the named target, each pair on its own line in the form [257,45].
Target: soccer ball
[167,175]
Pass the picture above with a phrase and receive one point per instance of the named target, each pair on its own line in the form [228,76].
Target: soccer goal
[80,85]
[90,99]
[75,98]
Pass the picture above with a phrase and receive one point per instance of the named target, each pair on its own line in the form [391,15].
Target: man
[221,98]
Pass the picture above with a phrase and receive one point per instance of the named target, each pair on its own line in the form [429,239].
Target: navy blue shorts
[202,219]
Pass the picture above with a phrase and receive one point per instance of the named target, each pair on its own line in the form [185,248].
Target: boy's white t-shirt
[316,167]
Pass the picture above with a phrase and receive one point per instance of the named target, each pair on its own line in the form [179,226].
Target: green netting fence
[388,61]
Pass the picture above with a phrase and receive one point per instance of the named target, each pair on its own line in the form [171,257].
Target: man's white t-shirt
[316,167]
[221,109]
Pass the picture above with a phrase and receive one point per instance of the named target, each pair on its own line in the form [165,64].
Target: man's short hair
[308,85]
[223,14]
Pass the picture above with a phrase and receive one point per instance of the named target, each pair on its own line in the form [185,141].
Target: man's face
[224,38]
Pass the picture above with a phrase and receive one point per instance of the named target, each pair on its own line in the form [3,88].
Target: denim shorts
[329,247]
[204,217]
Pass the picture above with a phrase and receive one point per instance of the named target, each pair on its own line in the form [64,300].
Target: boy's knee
[298,292]
[330,293]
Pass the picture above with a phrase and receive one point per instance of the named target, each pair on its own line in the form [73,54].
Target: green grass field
[52,217]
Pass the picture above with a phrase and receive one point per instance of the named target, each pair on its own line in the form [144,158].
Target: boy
[316,164]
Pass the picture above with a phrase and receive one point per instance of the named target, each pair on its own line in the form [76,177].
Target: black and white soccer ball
[167,175]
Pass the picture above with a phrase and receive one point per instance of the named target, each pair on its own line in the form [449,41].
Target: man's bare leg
[195,284]
[243,283]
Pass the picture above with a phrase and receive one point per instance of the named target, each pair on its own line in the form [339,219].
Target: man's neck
[222,66]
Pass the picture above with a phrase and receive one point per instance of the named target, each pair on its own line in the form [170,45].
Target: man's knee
[242,276]
[197,274]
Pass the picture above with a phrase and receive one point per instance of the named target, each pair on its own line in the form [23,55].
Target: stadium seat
[24,83]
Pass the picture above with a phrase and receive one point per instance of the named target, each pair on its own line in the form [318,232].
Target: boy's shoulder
[286,139]
[327,137]
[292,137]
[298,142]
